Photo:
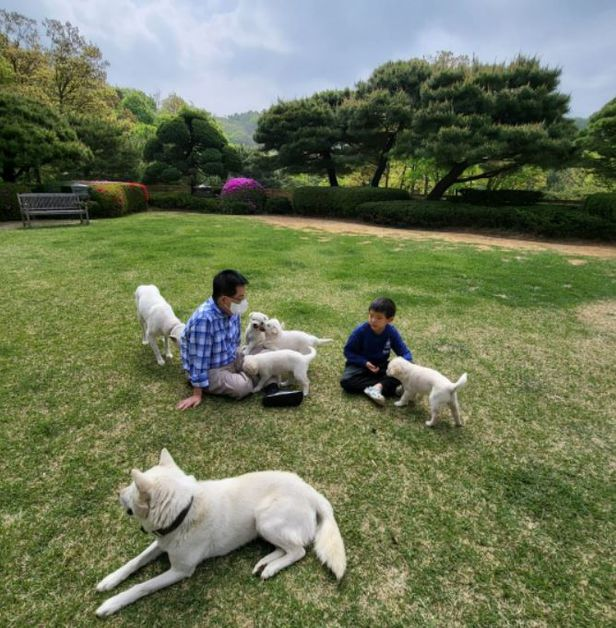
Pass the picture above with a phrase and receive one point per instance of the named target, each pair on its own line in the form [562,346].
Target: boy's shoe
[375,395]
[399,390]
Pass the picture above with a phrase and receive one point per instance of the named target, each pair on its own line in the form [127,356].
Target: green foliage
[550,221]
[182,200]
[33,135]
[9,205]
[278,205]
[324,201]
[598,140]
[111,200]
[190,144]
[603,205]
[498,197]
[140,105]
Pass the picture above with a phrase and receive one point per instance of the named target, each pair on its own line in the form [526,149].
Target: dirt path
[482,241]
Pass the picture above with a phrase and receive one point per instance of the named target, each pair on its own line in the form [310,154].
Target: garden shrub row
[340,202]
[497,197]
[9,205]
[552,221]
[603,205]
[186,201]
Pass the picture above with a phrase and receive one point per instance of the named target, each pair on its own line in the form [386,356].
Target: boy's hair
[384,306]
[225,283]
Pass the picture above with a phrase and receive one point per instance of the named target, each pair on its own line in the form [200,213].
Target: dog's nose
[129,512]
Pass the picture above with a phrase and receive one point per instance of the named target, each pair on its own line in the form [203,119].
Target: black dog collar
[176,523]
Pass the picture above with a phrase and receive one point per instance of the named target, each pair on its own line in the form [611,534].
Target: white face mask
[239,308]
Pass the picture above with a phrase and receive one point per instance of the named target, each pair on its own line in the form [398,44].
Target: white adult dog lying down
[198,520]
[270,364]
[278,338]
[157,319]
[254,335]
[421,381]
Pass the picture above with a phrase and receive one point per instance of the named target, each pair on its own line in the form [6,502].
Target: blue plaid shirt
[210,340]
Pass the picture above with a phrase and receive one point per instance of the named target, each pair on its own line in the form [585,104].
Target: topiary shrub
[340,202]
[498,197]
[185,201]
[603,205]
[278,205]
[109,200]
[550,221]
[9,205]
[245,190]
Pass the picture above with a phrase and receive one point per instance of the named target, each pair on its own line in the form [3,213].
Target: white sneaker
[375,395]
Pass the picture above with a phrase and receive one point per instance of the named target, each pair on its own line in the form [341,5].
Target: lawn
[509,520]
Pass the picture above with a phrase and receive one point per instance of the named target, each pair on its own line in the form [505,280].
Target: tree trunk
[446,182]
[8,172]
[382,162]
[330,168]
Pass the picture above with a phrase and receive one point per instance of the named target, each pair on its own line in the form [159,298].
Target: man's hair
[384,306]
[226,282]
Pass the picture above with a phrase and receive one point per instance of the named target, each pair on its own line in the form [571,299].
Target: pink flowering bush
[244,190]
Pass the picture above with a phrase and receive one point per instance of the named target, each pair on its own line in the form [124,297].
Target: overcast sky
[230,56]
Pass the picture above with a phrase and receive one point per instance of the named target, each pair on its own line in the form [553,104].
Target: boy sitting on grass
[367,352]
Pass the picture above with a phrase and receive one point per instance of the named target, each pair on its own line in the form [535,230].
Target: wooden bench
[32,204]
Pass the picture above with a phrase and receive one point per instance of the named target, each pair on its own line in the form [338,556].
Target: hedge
[498,197]
[555,221]
[603,205]
[111,199]
[185,201]
[9,205]
[340,202]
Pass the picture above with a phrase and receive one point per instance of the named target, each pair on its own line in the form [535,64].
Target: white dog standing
[278,338]
[421,381]
[198,520]
[270,364]
[254,336]
[157,319]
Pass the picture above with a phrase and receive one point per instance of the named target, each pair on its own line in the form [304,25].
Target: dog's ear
[141,481]
[165,458]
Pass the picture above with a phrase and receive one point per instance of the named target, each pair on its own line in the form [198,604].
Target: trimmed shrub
[340,202]
[245,190]
[552,221]
[278,205]
[185,201]
[9,205]
[113,199]
[498,197]
[603,205]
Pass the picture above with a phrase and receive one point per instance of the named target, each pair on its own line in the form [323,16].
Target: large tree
[494,117]
[32,136]
[191,145]
[381,109]
[306,135]
[598,140]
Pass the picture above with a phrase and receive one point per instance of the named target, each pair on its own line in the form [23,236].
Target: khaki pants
[229,380]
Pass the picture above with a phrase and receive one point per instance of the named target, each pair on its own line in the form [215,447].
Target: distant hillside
[581,123]
[239,127]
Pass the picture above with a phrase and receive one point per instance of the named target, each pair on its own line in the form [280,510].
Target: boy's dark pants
[356,378]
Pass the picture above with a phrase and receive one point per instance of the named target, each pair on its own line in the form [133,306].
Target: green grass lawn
[507,521]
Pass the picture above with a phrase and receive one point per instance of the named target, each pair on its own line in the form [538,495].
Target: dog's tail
[328,543]
[460,383]
[312,352]
[323,341]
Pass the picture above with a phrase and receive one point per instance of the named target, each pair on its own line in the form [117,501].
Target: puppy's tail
[312,352]
[328,543]
[323,341]
[460,383]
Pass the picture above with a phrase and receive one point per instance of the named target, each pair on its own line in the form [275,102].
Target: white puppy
[157,319]
[197,520]
[254,336]
[278,338]
[421,381]
[268,364]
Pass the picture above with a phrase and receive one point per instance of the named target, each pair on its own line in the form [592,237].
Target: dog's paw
[169,356]
[108,583]
[430,423]
[161,362]
[108,608]
[268,572]
[400,404]
[145,342]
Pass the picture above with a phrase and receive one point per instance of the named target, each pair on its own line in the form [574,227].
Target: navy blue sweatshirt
[364,346]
